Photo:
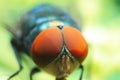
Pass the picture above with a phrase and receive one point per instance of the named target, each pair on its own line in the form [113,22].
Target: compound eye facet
[46,46]
[75,43]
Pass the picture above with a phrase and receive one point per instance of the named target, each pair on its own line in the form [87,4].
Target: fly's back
[40,18]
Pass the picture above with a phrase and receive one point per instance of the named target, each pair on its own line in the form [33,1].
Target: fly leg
[82,69]
[33,71]
[17,55]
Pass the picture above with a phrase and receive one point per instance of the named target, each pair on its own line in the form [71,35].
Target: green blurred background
[100,21]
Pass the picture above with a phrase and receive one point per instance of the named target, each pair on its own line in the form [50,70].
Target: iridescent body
[41,18]
[53,40]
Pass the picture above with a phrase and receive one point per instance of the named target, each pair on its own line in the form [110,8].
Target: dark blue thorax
[41,18]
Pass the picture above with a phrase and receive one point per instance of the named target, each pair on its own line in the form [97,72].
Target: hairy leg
[82,69]
[17,55]
[33,71]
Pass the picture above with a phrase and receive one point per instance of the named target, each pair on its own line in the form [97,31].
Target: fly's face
[59,50]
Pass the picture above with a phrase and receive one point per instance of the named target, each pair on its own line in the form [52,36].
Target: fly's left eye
[75,43]
[46,46]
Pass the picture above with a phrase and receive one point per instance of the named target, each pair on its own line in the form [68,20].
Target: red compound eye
[46,46]
[75,43]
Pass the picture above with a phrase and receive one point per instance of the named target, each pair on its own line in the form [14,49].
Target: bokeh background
[100,22]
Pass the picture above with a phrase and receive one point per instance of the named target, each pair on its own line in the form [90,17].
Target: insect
[52,39]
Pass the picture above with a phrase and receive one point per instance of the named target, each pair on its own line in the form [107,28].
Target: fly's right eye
[46,46]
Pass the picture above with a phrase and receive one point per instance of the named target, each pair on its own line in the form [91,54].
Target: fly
[52,39]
